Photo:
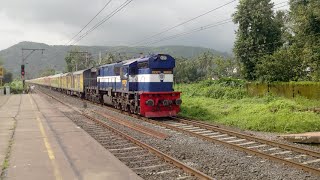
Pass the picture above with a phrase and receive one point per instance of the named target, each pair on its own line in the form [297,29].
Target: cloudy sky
[55,22]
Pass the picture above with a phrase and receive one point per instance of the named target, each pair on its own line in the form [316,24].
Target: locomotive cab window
[143,65]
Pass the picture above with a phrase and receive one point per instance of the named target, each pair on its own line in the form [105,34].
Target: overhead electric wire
[194,30]
[123,5]
[90,21]
[99,24]
[209,26]
[182,23]
[202,28]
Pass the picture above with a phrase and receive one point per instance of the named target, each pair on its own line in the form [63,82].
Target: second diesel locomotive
[141,86]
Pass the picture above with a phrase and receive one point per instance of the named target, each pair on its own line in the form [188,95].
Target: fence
[310,90]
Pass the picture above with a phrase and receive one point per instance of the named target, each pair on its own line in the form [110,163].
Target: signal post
[23,72]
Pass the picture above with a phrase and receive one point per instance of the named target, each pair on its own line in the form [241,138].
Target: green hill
[53,56]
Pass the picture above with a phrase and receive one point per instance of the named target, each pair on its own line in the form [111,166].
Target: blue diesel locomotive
[142,86]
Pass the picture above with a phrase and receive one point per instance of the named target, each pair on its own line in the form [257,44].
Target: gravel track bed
[212,159]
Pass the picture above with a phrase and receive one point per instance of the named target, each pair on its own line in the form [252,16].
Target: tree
[224,67]
[306,27]
[205,66]
[258,34]
[185,71]
[48,72]
[7,78]
[284,65]
[77,60]
[108,59]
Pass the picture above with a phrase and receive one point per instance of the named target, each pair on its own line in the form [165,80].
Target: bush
[217,89]
[16,87]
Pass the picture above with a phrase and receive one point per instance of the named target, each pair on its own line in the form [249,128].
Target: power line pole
[1,75]
[31,51]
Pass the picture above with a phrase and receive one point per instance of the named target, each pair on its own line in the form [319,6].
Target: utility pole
[1,75]
[31,51]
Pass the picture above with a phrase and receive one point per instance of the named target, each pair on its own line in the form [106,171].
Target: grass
[230,105]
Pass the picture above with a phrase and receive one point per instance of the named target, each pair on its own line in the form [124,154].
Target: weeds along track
[146,161]
[300,158]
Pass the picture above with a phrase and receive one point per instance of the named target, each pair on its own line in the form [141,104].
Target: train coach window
[143,65]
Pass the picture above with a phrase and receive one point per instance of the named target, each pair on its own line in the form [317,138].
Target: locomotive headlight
[178,102]
[163,58]
[150,102]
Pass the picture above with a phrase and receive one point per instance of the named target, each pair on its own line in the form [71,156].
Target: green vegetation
[205,66]
[258,31]
[226,102]
[16,87]
[78,60]
[278,45]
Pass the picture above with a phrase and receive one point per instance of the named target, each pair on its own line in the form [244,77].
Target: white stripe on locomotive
[139,78]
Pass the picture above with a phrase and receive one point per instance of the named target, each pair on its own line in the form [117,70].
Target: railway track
[300,158]
[140,157]
[296,157]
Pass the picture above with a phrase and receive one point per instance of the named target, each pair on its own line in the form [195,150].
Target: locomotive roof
[80,72]
[129,61]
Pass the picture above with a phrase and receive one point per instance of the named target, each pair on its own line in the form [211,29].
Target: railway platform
[37,141]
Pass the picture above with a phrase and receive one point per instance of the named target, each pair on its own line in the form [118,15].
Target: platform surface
[47,145]
[310,137]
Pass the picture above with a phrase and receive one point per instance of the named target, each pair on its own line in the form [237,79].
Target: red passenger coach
[161,104]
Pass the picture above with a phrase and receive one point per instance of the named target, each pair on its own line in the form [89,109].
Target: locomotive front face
[155,82]
[154,74]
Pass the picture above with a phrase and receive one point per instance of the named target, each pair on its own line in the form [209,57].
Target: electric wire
[127,2]
[123,5]
[209,26]
[182,23]
[89,22]
[194,30]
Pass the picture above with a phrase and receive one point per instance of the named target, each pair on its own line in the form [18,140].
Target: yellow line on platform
[57,173]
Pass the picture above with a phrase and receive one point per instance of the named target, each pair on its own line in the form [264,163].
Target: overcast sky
[55,22]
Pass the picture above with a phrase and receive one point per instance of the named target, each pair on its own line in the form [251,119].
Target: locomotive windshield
[143,65]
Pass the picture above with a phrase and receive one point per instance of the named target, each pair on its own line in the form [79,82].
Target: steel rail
[257,139]
[133,126]
[158,153]
[241,148]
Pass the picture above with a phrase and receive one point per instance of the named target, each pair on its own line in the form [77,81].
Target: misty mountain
[53,56]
